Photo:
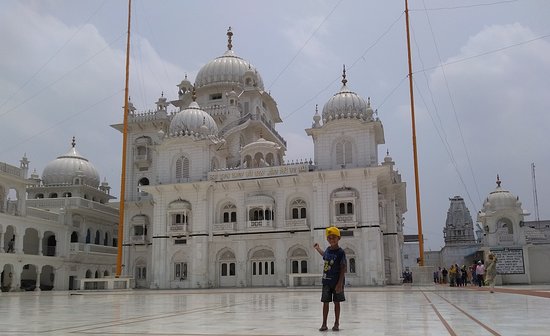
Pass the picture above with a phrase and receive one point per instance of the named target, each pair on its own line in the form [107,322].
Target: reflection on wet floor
[432,310]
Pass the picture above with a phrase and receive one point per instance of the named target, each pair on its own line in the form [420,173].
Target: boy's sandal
[335,328]
[324,328]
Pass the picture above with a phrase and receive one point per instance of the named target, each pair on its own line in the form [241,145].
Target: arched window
[144,181]
[74,237]
[88,236]
[182,169]
[67,194]
[298,209]
[350,256]
[343,152]
[97,237]
[53,195]
[229,213]
[344,208]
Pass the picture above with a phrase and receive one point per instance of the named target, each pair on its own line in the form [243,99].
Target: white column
[40,237]
[38,273]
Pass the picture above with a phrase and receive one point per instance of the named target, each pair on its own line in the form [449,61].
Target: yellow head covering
[333,230]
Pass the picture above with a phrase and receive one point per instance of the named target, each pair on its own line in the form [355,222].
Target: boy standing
[334,269]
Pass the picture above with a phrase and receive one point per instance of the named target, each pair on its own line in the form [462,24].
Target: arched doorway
[49,244]
[262,266]
[47,277]
[6,278]
[227,264]
[28,278]
[30,241]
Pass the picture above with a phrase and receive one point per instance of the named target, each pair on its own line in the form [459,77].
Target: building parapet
[11,170]
[250,173]
[75,202]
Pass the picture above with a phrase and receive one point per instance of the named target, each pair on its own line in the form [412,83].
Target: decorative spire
[73,143]
[387,152]
[316,109]
[498,181]
[229,36]
[162,94]
[194,94]
[344,80]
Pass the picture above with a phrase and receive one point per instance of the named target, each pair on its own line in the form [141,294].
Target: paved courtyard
[431,310]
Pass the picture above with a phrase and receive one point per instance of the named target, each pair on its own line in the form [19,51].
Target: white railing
[139,239]
[176,228]
[70,202]
[91,248]
[9,169]
[43,214]
[290,223]
[225,226]
[260,224]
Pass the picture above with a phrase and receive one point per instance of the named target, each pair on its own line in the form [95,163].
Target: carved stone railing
[43,214]
[296,223]
[259,224]
[246,173]
[75,248]
[75,202]
[225,226]
[11,170]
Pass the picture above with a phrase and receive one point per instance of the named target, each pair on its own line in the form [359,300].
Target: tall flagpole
[416,180]
[124,141]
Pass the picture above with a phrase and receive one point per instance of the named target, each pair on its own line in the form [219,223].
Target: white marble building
[55,230]
[211,201]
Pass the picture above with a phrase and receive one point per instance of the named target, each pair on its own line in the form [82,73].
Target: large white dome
[193,119]
[64,170]
[228,69]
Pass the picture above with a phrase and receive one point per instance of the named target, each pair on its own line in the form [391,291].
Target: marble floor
[399,310]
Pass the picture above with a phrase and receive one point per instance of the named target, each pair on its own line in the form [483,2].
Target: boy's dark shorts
[329,294]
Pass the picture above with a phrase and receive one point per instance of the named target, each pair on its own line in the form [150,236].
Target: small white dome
[501,199]
[192,119]
[346,104]
[64,170]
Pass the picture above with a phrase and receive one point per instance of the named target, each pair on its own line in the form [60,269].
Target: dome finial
[229,36]
[498,181]
[344,80]
[73,143]
[194,94]
[162,94]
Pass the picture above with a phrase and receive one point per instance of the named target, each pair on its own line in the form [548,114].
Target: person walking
[480,272]
[334,269]
[491,270]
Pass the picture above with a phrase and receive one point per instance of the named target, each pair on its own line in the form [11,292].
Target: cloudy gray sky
[482,87]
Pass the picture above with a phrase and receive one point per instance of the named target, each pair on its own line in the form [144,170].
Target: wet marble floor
[400,310]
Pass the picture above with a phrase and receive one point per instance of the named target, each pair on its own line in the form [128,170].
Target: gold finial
[498,181]
[344,80]
[229,35]
[73,143]
[316,109]
[162,94]
[194,94]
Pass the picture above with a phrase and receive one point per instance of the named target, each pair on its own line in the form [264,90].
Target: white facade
[211,202]
[63,231]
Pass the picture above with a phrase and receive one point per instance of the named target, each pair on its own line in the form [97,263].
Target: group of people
[482,273]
